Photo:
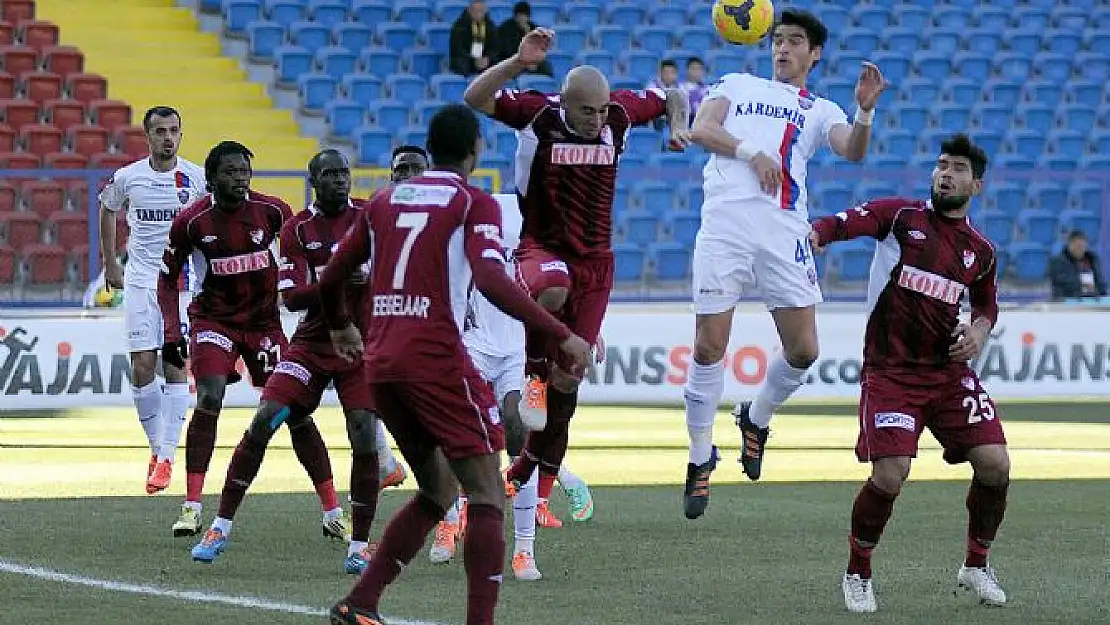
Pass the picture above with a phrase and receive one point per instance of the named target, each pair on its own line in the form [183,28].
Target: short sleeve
[728,88]
[642,106]
[292,264]
[834,116]
[483,238]
[517,109]
[114,194]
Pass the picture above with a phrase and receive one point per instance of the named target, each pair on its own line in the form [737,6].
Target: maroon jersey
[923,265]
[429,238]
[565,183]
[307,243]
[233,255]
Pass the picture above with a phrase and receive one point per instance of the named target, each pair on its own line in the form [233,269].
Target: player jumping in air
[915,362]
[753,236]
[293,391]
[152,191]
[569,146]
[431,238]
[231,238]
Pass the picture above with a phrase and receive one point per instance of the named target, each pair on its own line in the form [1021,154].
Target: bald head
[585,99]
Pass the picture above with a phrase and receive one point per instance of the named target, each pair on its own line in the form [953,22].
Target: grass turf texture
[766,553]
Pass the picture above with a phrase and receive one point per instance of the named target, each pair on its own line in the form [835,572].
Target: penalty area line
[190,596]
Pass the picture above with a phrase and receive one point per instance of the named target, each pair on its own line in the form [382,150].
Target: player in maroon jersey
[429,237]
[230,236]
[309,364]
[570,144]
[915,363]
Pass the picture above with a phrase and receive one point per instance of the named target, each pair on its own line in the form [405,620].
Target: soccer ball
[103,298]
[743,21]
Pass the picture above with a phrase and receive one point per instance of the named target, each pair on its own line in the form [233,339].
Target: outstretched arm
[871,219]
[482,93]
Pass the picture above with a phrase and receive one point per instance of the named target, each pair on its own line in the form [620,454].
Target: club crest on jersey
[917,234]
[256,236]
[968,383]
[181,181]
[969,259]
[183,196]
[577,154]
[313,245]
[607,135]
[806,100]
[930,284]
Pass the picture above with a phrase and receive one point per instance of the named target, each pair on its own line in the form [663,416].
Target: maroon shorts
[457,415]
[214,348]
[588,281]
[304,373]
[892,416]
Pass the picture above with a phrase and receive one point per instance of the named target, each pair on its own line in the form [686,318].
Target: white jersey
[152,199]
[488,330]
[780,120]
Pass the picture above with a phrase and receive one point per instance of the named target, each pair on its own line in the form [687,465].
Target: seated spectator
[473,40]
[1075,272]
[694,85]
[513,30]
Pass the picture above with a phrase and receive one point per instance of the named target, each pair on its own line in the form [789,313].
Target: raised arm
[852,141]
[482,93]
[353,251]
[870,219]
[176,254]
[298,291]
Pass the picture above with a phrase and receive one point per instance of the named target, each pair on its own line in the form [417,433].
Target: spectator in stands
[473,40]
[513,30]
[667,79]
[1075,272]
[694,85]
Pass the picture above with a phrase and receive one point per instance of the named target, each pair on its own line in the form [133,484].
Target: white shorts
[505,373]
[142,318]
[768,250]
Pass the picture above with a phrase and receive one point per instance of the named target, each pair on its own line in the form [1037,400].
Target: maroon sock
[240,473]
[200,440]
[483,557]
[521,469]
[364,494]
[535,349]
[870,514]
[986,505]
[403,537]
[560,409]
[311,451]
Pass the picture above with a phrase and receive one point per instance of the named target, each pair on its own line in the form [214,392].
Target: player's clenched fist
[579,350]
[534,46]
[347,343]
[175,352]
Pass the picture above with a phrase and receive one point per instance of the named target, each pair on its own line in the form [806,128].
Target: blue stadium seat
[1013,66]
[389,113]
[1085,92]
[448,10]
[625,15]
[692,195]
[413,13]
[506,143]
[989,140]
[1100,141]
[899,142]
[561,62]
[316,90]
[671,261]
[397,35]
[1077,118]
[1058,162]
[1096,162]
[840,90]
[639,228]
[499,10]
[990,17]
[374,12]
[655,39]
[1069,18]
[835,18]
[1101,19]
[380,61]
[291,62]
[668,16]
[1027,143]
[537,82]
[866,191]
[309,35]
[911,16]
[910,116]
[1086,197]
[901,40]
[1053,67]
[422,62]
[943,39]
[951,116]
[861,40]
[929,141]
[835,197]
[265,37]
[871,17]
[614,39]
[437,37]
[1093,65]
[424,109]
[501,163]
[1041,92]
[697,37]
[628,262]
[336,62]
[1089,224]
[571,37]
[1065,42]
[210,6]
[362,88]
[583,14]
[640,65]
[1049,196]
[852,260]
[1016,162]
[1033,16]
[448,87]
[983,41]
[973,65]
[935,66]
[413,135]
[1034,117]
[998,227]
[962,91]
[354,36]
[1026,40]
[656,198]
[895,66]
[602,60]
[644,140]
[285,12]
[406,88]
[239,13]
[1068,142]
[953,16]
[918,90]
[1002,92]
[330,13]
[991,117]
[373,145]
[1097,39]
[344,117]
[887,162]
[632,165]
[1028,261]
[545,13]
[723,62]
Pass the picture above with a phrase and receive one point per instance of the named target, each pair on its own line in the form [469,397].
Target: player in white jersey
[754,231]
[152,191]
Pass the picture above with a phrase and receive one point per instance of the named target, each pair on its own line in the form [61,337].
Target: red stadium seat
[7,138]
[110,113]
[40,139]
[20,229]
[64,60]
[20,161]
[71,228]
[19,113]
[7,266]
[7,197]
[107,160]
[18,59]
[87,87]
[41,86]
[64,113]
[7,86]
[43,197]
[87,139]
[7,33]
[64,160]
[16,11]
[80,257]
[131,140]
[38,34]
[45,264]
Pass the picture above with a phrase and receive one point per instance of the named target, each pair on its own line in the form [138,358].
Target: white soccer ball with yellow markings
[743,22]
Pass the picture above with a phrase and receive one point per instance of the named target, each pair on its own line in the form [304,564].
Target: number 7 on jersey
[414,223]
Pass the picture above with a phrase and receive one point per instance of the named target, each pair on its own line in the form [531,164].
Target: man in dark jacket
[473,40]
[1075,272]
[513,30]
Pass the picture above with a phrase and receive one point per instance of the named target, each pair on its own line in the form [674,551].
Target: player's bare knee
[174,375]
[991,464]
[361,432]
[143,366]
[801,356]
[563,381]
[888,474]
[553,298]
[480,477]
[267,420]
[434,476]
[210,394]
[711,338]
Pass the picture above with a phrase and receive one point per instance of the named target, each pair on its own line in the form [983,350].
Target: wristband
[864,117]
[744,152]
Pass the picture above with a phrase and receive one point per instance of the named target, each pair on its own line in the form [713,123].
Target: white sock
[387,463]
[524,514]
[568,479]
[148,403]
[175,403]
[222,524]
[193,505]
[781,382]
[704,387]
[355,546]
[453,512]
